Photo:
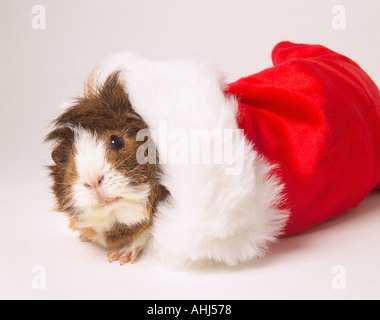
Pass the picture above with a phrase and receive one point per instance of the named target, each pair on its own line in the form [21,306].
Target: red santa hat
[316,114]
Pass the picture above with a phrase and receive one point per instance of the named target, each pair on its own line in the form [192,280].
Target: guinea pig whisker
[136,175]
[122,162]
[136,168]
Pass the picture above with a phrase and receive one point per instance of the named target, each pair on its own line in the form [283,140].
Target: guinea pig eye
[117,143]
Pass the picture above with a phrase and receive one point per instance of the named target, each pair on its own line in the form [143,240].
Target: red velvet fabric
[316,114]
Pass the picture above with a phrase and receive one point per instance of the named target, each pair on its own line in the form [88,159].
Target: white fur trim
[212,215]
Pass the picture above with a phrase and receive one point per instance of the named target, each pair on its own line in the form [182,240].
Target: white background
[40,69]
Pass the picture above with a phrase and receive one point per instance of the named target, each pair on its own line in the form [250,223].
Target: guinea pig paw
[84,238]
[124,255]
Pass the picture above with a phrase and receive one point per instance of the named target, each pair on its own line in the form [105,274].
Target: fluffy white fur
[212,215]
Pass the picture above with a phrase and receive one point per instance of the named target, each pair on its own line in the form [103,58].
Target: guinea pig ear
[64,139]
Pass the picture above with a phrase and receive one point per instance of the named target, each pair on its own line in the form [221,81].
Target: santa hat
[288,148]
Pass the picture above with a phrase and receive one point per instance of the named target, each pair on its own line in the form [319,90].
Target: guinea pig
[109,195]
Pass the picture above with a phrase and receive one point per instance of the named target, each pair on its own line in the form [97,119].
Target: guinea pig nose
[100,181]
[95,183]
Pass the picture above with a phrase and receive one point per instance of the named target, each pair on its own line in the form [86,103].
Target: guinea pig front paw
[129,252]
[84,238]
[124,255]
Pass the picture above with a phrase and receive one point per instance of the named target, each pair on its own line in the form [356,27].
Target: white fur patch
[90,155]
[212,215]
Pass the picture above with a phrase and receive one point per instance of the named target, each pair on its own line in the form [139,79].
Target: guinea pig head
[98,178]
